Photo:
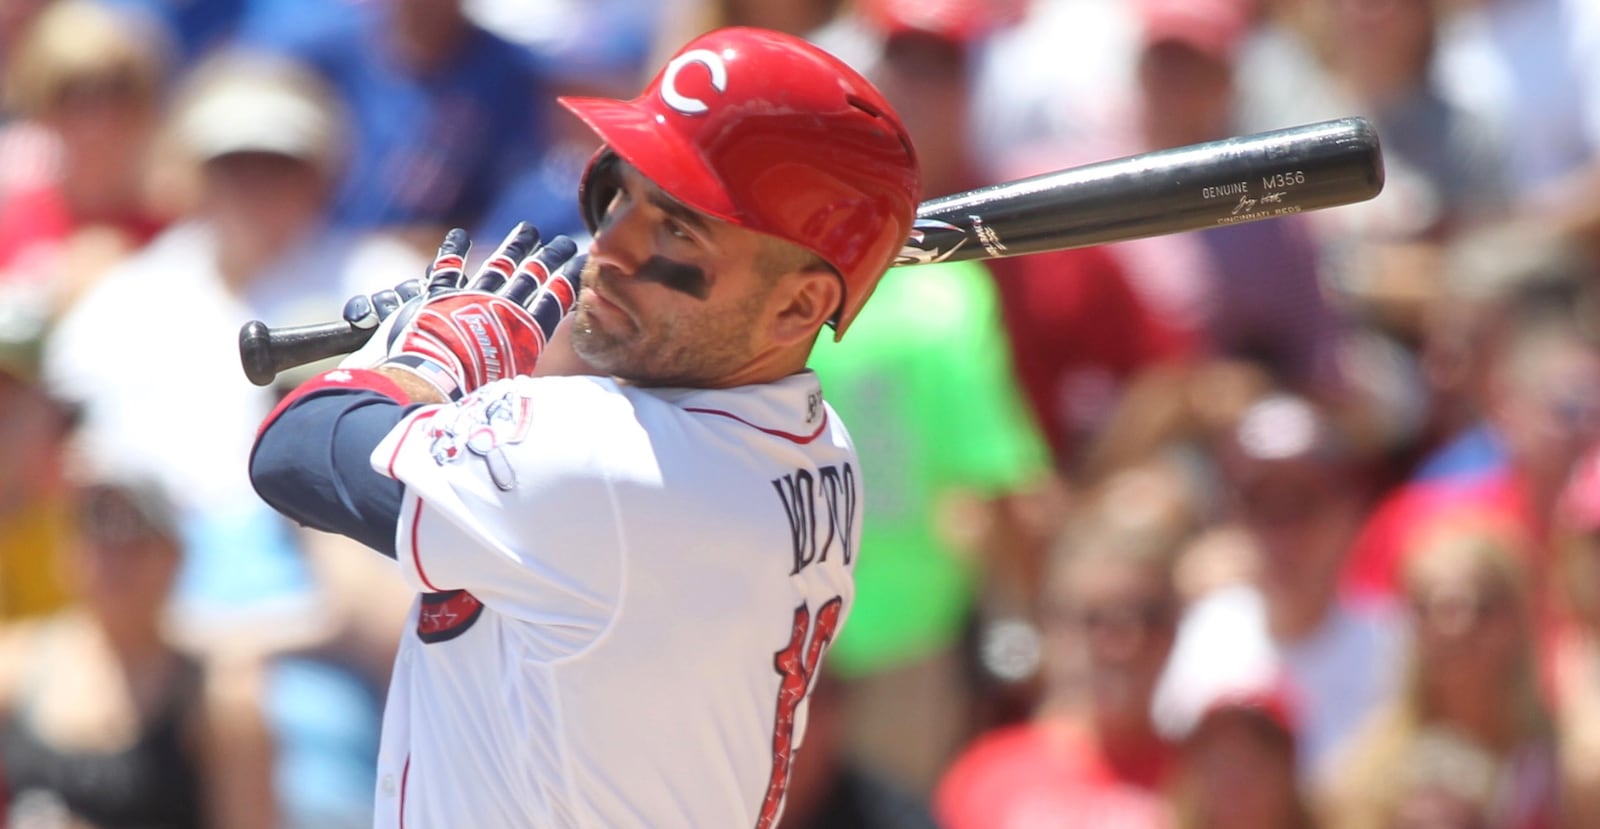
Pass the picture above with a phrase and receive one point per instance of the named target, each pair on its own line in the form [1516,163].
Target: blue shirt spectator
[444,113]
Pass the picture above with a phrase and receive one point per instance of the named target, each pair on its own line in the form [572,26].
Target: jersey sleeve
[309,459]
[509,495]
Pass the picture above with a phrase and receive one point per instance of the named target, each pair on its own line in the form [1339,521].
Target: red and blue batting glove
[459,337]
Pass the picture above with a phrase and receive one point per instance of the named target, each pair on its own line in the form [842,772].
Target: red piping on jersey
[792,438]
[395,455]
[404,774]
[416,557]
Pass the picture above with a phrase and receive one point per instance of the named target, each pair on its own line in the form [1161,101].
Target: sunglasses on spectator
[93,91]
[1458,610]
[1377,7]
[1143,615]
[111,517]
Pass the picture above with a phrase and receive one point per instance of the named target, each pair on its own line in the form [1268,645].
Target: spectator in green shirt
[925,380]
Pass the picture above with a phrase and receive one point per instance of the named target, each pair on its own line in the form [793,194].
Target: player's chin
[603,343]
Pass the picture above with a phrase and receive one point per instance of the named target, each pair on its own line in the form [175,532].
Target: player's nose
[622,241]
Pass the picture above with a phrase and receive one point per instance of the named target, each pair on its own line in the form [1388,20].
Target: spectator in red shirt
[1085,323]
[92,80]
[1080,334]
[1092,758]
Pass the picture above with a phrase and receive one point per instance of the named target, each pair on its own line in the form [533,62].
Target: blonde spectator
[1472,680]
[88,81]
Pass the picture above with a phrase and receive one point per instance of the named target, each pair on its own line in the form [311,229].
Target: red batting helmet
[770,133]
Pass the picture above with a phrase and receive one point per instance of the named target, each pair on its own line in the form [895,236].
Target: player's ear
[807,298]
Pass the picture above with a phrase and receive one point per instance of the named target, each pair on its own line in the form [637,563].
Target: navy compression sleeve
[312,462]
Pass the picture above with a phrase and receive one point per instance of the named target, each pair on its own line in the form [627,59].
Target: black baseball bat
[1231,181]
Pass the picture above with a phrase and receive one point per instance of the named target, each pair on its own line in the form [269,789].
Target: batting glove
[459,337]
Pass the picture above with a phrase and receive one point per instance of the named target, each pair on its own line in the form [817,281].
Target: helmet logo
[669,80]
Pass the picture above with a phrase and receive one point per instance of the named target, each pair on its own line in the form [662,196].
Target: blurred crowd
[1292,524]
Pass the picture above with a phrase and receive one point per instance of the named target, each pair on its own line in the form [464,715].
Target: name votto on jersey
[821,508]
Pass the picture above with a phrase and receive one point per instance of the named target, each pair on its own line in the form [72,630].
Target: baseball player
[632,543]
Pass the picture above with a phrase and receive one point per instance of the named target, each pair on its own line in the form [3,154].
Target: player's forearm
[312,462]
[419,390]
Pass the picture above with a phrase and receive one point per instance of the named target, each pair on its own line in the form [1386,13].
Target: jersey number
[796,664]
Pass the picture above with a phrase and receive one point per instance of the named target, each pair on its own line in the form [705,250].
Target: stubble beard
[683,352]
[598,347]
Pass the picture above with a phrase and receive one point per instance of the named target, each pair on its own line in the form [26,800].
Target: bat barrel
[1261,176]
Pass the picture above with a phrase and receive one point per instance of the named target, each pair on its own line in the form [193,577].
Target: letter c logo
[669,80]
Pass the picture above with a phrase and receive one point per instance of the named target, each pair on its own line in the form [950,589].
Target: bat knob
[255,353]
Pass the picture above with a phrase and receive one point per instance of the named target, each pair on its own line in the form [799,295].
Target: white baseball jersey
[649,579]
